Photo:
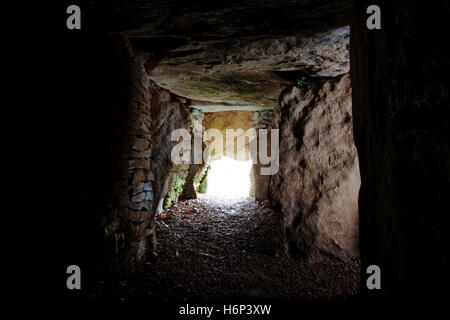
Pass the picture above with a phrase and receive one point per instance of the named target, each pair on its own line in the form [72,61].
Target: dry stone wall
[130,201]
[147,115]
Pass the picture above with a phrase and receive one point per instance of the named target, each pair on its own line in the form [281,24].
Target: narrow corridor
[218,249]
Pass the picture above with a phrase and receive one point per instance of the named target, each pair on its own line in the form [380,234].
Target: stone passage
[213,249]
[129,78]
[169,71]
[316,188]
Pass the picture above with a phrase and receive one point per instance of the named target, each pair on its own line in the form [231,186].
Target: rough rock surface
[167,114]
[197,129]
[241,53]
[221,20]
[401,115]
[243,74]
[263,120]
[317,185]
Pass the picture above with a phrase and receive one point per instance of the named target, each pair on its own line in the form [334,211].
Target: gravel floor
[212,249]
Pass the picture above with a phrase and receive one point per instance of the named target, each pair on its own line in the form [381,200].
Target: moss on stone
[227,88]
[203,184]
[175,189]
[242,87]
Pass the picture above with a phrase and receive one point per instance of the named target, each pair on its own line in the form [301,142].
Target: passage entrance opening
[229,178]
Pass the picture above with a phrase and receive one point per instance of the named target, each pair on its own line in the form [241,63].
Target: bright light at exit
[229,178]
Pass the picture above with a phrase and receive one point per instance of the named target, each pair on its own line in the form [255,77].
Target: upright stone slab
[317,185]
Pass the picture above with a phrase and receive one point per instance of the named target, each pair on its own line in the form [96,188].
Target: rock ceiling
[235,55]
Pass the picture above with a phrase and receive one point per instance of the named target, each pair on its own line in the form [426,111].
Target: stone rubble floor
[212,249]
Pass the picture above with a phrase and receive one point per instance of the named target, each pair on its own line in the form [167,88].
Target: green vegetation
[242,87]
[302,82]
[203,184]
[203,90]
[175,189]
